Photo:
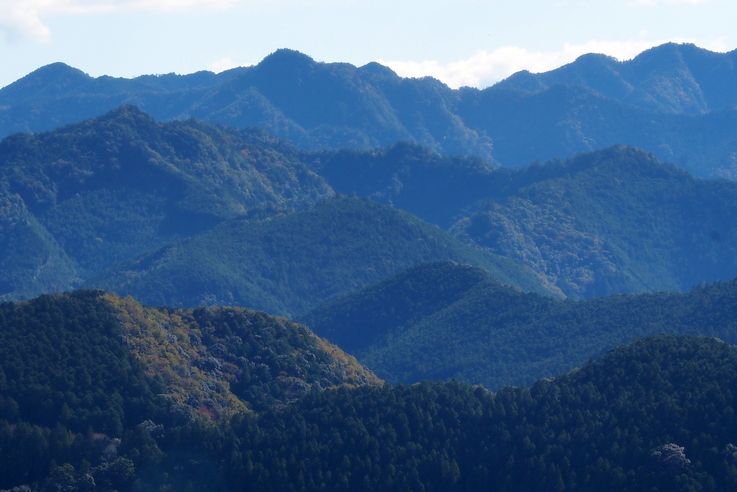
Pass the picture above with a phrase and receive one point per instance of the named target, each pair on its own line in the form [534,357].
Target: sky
[461,42]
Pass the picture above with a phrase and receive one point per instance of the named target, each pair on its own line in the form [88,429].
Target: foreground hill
[657,415]
[93,194]
[677,101]
[291,263]
[100,393]
[80,371]
[449,321]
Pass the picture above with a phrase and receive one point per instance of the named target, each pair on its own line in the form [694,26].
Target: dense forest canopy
[449,321]
[291,263]
[89,379]
[657,414]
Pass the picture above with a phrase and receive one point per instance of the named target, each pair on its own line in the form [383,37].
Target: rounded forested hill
[612,221]
[656,415]
[291,263]
[445,321]
[90,195]
[87,379]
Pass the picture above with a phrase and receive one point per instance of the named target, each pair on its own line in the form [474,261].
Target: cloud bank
[659,3]
[486,67]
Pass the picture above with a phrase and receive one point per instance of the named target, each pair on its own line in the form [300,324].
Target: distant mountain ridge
[677,101]
[673,78]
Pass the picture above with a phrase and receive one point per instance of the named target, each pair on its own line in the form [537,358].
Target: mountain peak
[674,56]
[59,70]
[285,57]
[127,113]
[627,160]
[595,59]
[378,69]
[54,77]
[665,52]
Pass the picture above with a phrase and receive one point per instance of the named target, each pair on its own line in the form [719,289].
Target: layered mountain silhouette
[80,199]
[411,225]
[612,221]
[291,263]
[675,78]
[450,321]
[123,193]
[677,101]
[141,206]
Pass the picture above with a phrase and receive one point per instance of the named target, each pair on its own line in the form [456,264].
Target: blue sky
[462,42]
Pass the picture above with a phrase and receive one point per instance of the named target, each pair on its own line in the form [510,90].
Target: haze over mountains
[414,227]
[289,264]
[677,101]
[90,195]
[186,213]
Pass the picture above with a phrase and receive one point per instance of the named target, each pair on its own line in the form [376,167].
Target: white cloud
[222,64]
[21,18]
[657,3]
[487,67]
[24,18]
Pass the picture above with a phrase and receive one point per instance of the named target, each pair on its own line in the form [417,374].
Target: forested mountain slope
[656,415]
[80,371]
[96,193]
[448,321]
[291,263]
[612,221]
[90,389]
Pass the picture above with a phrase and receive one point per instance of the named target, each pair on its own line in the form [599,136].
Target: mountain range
[676,101]
[186,213]
[611,221]
[526,287]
